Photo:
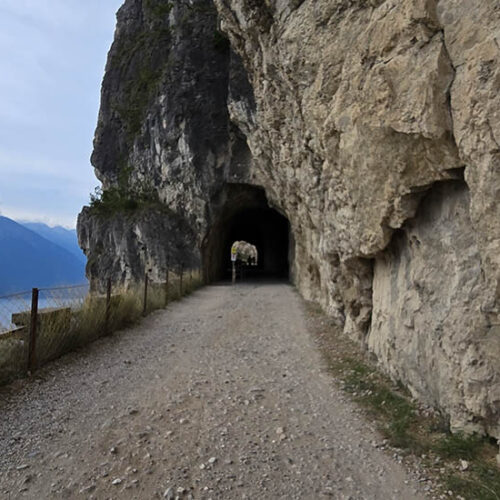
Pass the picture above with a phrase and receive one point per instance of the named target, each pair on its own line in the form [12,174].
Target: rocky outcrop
[124,247]
[373,126]
[162,142]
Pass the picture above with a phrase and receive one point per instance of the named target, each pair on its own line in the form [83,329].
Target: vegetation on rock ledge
[124,198]
[113,200]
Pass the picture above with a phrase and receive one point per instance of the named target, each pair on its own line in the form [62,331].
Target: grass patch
[367,386]
[459,446]
[407,427]
[481,483]
[400,415]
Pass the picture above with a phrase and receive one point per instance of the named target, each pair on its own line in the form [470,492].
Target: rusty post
[166,286]
[108,307]
[145,309]
[180,280]
[33,330]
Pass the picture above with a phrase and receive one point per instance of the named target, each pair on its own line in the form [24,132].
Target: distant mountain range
[35,255]
[61,236]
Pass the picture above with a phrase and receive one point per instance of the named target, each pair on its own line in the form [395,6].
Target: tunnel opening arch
[244,213]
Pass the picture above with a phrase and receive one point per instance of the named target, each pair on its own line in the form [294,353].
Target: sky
[52,59]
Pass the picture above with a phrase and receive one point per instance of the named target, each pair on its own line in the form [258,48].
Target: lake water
[48,298]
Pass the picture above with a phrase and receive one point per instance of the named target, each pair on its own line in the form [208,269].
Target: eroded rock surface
[427,325]
[347,113]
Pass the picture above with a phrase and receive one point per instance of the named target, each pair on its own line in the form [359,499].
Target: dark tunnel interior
[245,215]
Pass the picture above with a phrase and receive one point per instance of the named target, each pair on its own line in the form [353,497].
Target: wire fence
[40,325]
[10,304]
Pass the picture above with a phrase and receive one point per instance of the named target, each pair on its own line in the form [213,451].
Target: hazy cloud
[52,57]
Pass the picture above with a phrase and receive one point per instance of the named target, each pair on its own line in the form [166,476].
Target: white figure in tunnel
[245,252]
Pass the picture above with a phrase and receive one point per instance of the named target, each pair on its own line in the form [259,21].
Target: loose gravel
[223,395]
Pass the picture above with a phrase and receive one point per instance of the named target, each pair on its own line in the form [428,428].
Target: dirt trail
[223,396]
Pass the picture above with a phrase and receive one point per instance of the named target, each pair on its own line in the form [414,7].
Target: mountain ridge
[64,237]
[29,260]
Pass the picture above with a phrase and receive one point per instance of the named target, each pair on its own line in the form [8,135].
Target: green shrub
[123,197]
[459,446]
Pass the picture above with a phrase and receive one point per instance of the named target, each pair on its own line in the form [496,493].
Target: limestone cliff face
[163,134]
[373,126]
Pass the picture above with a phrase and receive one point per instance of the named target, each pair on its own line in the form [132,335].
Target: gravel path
[223,396]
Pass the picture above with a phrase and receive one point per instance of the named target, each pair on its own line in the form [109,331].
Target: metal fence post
[180,280]
[166,286]
[145,310]
[33,330]
[108,307]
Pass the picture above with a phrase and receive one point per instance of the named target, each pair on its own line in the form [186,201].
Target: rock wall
[361,108]
[124,247]
[427,325]
[372,125]
[163,140]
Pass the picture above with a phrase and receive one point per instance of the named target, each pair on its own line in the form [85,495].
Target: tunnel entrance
[246,215]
